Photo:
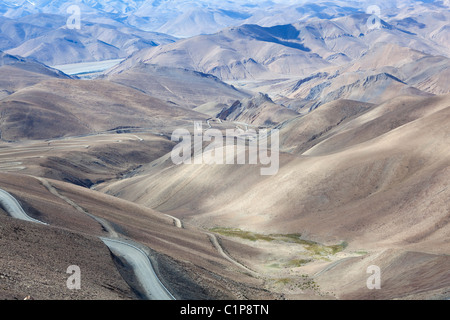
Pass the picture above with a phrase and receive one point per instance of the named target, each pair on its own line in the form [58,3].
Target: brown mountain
[180,86]
[71,107]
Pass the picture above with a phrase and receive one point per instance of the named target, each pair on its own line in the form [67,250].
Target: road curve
[219,248]
[137,258]
[105,224]
[177,222]
[13,207]
[143,268]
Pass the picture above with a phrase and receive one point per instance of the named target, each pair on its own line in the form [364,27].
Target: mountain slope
[380,74]
[259,111]
[247,52]
[183,257]
[368,192]
[17,73]
[298,49]
[62,108]
[183,87]
[93,42]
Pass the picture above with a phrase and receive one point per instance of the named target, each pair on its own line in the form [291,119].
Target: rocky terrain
[362,112]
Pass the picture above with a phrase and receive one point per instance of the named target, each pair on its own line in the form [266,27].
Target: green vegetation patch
[298,262]
[284,281]
[314,248]
[247,235]
[322,250]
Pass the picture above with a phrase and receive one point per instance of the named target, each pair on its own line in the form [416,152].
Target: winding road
[135,257]
[215,242]
[13,207]
[142,266]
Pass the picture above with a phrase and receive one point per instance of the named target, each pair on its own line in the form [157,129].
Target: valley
[87,175]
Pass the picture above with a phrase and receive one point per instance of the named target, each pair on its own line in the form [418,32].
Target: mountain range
[112,30]
[360,100]
[45,37]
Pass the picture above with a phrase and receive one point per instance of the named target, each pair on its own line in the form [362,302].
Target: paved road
[142,266]
[13,207]
[137,259]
